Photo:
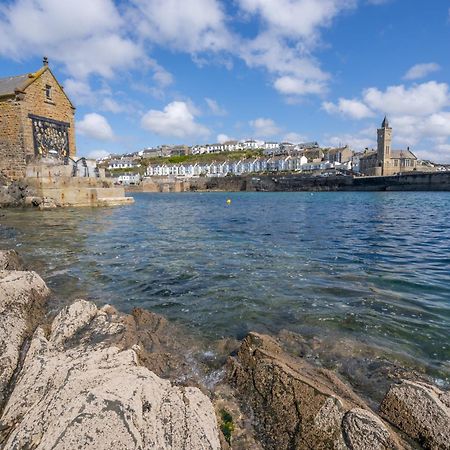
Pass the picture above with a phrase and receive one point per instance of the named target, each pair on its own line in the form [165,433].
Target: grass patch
[205,158]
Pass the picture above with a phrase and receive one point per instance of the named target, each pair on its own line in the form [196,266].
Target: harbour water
[371,267]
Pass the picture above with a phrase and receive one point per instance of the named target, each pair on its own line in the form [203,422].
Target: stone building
[385,161]
[339,155]
[36,119]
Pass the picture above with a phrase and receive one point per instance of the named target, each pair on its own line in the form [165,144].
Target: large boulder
[22,298]
[80,387]
[300,406]
[420,410]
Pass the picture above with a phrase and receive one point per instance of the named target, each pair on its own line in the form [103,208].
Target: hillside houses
[122,164]
[240,167]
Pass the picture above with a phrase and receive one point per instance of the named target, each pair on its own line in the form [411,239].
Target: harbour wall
[300,182]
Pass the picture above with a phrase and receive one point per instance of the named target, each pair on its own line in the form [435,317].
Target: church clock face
[51,137]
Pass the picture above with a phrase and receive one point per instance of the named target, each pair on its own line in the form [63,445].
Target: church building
[385,161]
[36,120]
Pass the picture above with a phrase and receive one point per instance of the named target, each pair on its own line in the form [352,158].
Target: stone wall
[16,134]
[12,155]
[412,181]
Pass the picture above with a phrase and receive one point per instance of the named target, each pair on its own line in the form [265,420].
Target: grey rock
[78,389]
[300,406]
[48,203]
[10,260]
[22,297]
[364,431]
[420,410]
[5,198]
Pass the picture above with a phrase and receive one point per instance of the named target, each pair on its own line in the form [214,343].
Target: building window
[48,92]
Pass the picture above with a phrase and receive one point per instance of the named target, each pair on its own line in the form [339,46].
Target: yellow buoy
[228,201]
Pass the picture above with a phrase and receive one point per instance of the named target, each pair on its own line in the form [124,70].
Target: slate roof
[395,154]
[368,154]
[403,154]
[9,85]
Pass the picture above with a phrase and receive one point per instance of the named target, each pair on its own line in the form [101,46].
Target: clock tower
[384,139]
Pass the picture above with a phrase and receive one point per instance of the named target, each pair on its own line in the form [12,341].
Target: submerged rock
[22,298]
[10,260]
[420,410]
[80,388]
[299,406]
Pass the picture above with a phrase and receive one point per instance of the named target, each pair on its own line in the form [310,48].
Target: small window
[48,92]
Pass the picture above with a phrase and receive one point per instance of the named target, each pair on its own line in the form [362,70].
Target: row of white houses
[122,164]
[232,146]
[244,166]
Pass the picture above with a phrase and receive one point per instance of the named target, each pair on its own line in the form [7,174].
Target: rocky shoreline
[95,378]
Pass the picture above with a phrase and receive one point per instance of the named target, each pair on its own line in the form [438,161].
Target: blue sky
[148,72]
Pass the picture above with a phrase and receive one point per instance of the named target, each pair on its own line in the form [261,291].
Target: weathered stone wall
[16,133]
[412,181]
[12,155]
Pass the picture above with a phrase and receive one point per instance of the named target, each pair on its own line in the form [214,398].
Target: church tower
[384,146]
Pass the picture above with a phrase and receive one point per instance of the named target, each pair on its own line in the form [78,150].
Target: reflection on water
[371,266]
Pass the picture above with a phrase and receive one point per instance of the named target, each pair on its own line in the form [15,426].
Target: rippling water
[371,266]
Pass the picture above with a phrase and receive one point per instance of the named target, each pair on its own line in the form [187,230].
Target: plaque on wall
[51,137]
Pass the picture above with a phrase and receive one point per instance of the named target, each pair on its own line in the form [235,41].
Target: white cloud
[87,36]
[410,130]
[176,120]
[416,112]
[111,105]
[221,138]
[290,33]
[161,76]
[264,127]
[214,107]
[356,142]
[350,107]
[295,138]
[95,126]
[439,153]
[421,71]
[418,100]
[191,26]
[300,18]
[79,91]
[290,85]
[97,154]
[295,72]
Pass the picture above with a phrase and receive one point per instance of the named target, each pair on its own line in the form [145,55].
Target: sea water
[372,267]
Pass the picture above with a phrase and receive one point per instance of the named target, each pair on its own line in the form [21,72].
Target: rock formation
[79,385]
[299,406]
[22,297]
[420,410]
[95,378]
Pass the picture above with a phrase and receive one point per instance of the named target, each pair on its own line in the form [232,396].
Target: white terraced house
[129,178]
[122,164]
[281,163]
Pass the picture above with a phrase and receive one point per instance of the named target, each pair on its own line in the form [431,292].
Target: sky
[148,72]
